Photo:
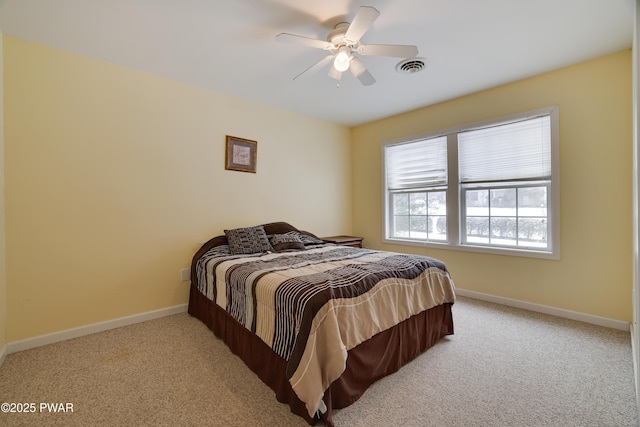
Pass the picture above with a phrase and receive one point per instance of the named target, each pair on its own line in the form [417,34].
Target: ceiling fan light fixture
[341,62]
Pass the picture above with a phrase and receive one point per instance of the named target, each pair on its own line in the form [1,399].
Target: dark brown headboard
[270,228]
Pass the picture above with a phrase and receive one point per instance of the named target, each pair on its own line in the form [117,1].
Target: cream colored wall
[3,269]
[113,176]
[594,273]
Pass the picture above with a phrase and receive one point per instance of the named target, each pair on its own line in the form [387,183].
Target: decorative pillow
[281,242]
[310,240]
[248,240]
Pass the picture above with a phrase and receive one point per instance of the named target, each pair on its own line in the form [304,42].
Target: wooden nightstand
[352,241]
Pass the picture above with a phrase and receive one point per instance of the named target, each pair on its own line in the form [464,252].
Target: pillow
[248,240]
[281,242]
[310,240]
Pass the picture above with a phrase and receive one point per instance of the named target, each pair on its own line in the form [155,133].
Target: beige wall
[113,176]
[3,269]
[594,273]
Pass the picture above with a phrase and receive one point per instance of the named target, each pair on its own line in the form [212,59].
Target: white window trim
[454,227]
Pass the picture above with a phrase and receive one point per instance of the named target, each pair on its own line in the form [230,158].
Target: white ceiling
[229,45]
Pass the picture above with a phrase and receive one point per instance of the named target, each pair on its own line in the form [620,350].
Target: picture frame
[241,154]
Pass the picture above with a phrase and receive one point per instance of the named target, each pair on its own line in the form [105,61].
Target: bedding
[309,306]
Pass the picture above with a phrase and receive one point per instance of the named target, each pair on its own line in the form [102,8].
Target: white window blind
[508,152]
[417,165]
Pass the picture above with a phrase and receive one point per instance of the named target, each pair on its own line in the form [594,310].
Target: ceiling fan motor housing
[336,37]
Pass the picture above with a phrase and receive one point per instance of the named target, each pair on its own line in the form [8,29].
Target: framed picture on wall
[241,154]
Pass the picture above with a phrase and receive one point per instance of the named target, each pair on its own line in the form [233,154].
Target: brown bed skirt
[373,359]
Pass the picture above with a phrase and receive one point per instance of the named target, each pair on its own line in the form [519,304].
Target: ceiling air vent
[411,65]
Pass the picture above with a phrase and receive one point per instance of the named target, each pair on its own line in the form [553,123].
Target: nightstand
[352,241]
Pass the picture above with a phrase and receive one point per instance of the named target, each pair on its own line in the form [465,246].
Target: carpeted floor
[503,367]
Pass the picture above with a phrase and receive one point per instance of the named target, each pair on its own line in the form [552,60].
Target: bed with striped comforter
[312,306]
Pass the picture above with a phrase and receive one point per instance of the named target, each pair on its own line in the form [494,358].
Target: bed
[318,322]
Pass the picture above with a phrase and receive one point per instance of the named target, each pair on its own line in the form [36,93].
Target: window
[490,186]
[417,175]
[420,215]
[508,216]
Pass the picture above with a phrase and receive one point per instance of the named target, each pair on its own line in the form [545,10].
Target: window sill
[527,253]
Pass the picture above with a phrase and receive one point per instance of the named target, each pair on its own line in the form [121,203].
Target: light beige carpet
[503,367]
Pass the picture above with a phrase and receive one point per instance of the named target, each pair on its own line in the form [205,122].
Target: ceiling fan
[344,41]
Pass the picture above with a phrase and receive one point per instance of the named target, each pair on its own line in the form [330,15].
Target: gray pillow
[281,242]
[248,240]
[309,240]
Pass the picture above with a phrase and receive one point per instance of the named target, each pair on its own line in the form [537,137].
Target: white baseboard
[546,309]
[636,373]
[41,340]
[3,354]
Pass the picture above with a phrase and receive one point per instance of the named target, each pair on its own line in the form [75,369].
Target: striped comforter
[314,305]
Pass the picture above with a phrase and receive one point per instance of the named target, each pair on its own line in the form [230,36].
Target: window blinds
[509,152]
[417,165]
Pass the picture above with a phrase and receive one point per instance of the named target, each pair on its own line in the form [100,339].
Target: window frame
[456,219]
[392,215]
[503,186]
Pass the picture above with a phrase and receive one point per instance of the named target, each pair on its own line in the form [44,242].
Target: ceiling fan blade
[305,41]
[335,74]
[361,23]
[366,78]
[360,72]
[395,50]
[316,65]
